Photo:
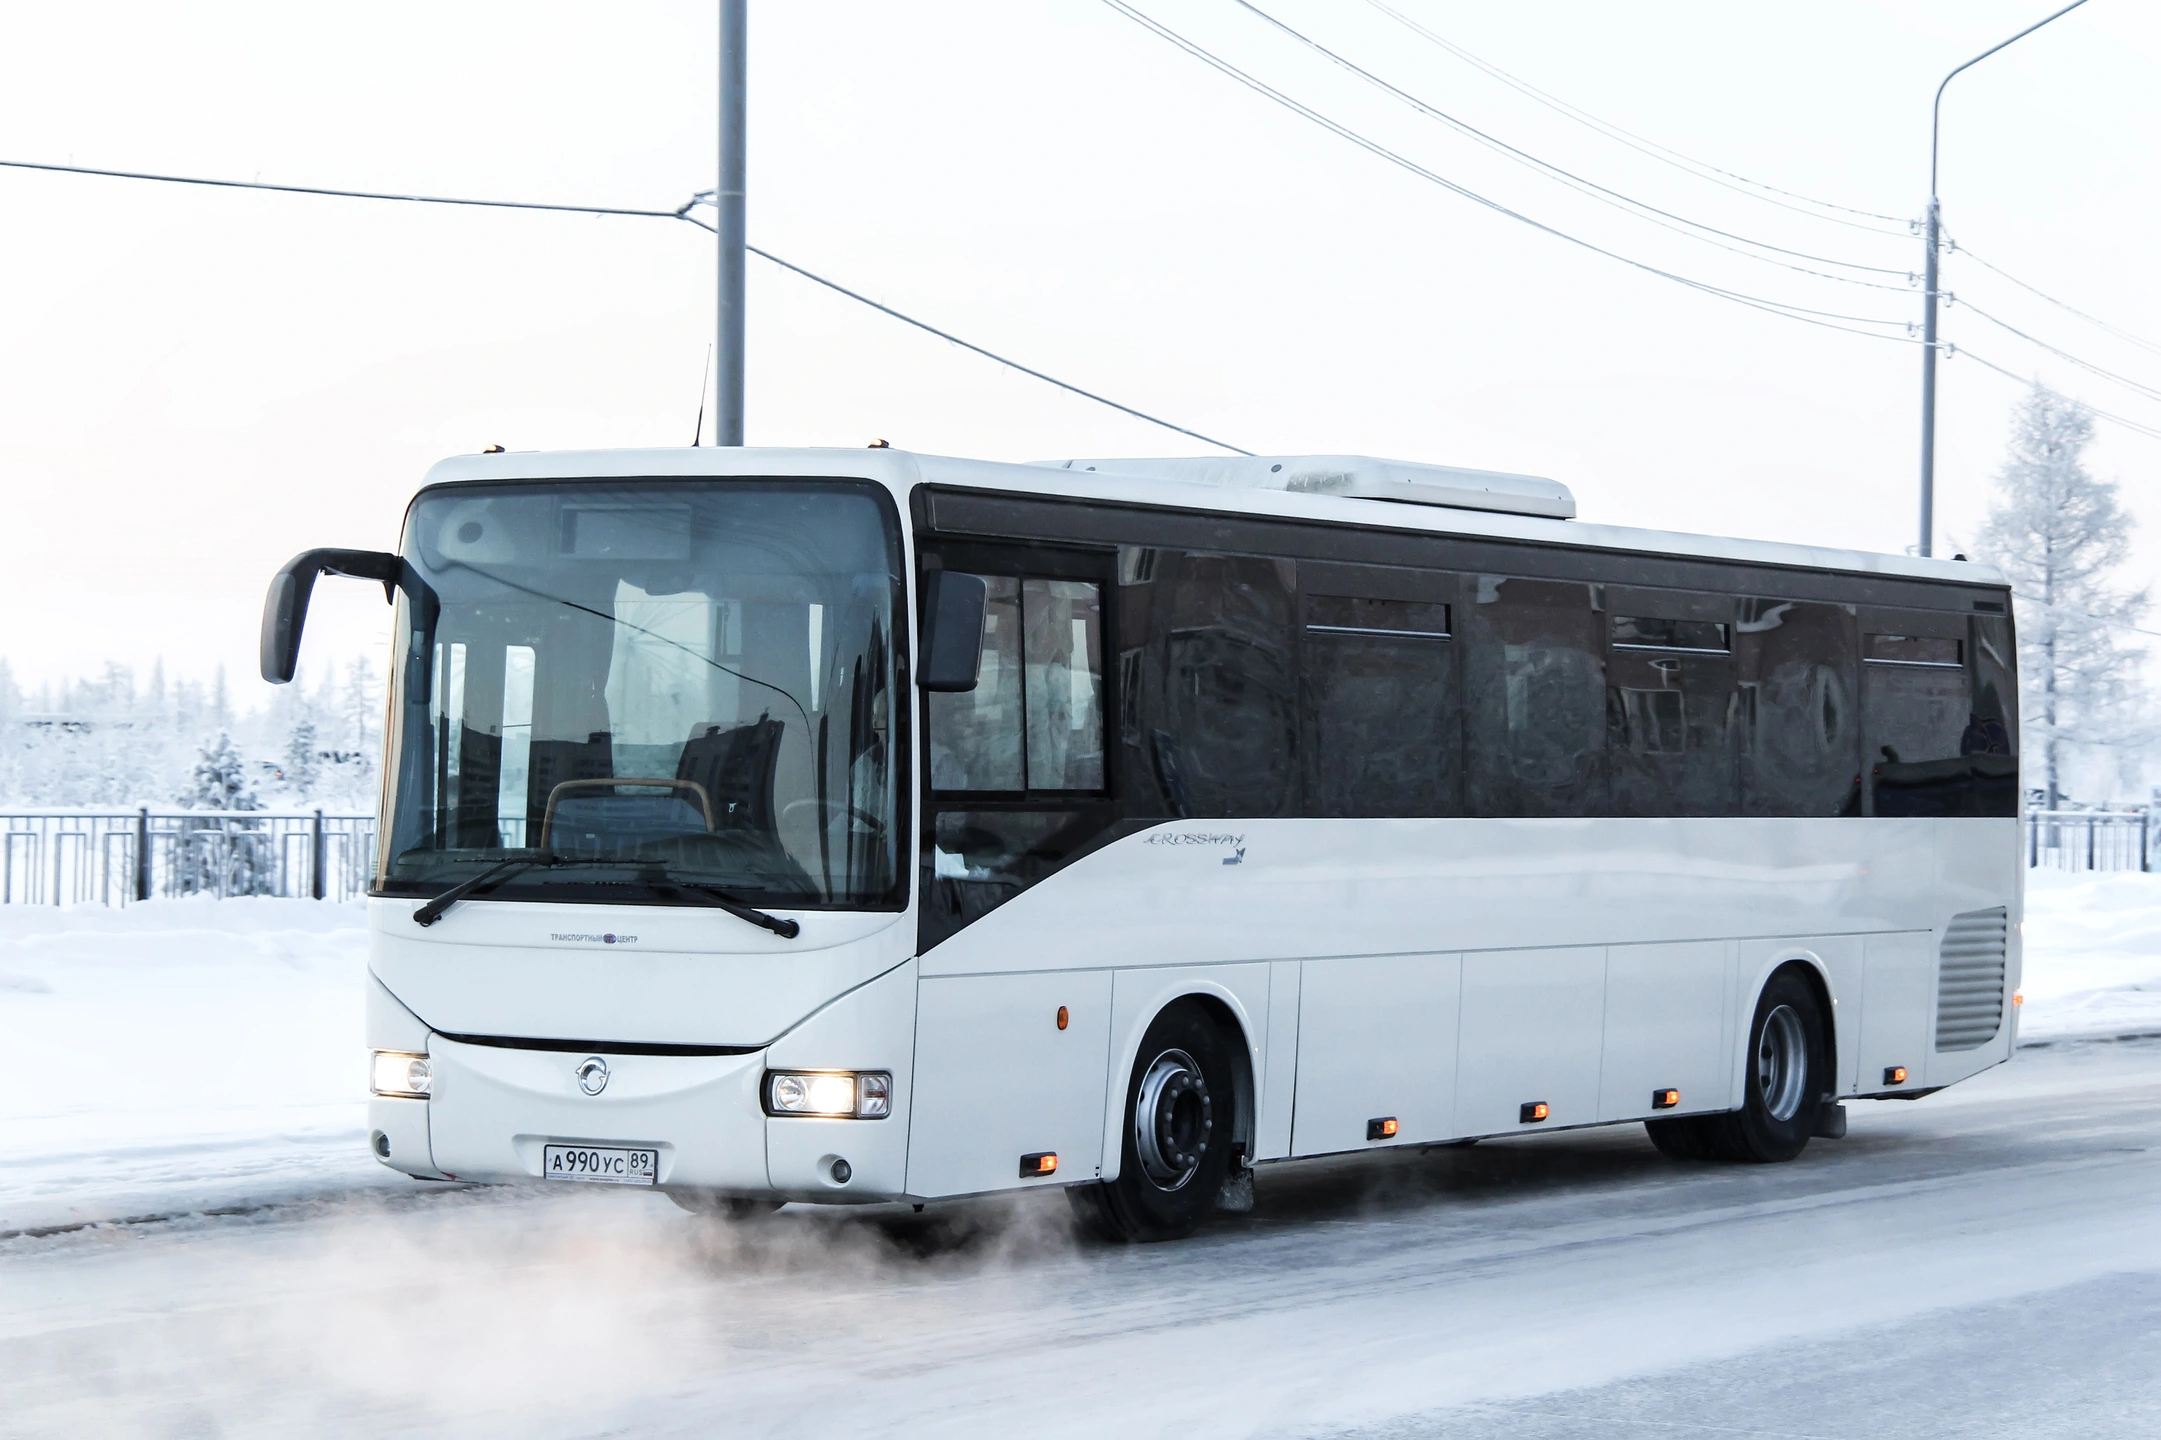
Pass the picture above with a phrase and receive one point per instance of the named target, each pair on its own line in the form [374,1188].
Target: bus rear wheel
[1788,1075]
[1176,1145]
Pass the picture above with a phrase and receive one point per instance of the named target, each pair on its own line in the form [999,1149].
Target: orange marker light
[1665,1099]
[1035,1166]
[1382,1129]
[1063,1018]
[1895,1075]
[1532,1113]
[2018,997]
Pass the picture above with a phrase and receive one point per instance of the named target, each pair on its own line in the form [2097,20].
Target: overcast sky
[196,384]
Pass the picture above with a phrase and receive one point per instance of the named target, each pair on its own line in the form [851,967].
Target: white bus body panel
[493,1109]
[1651,940]
[674,975]
[997,1079]
[872,1027]
[1669,1025]
[1376,1039]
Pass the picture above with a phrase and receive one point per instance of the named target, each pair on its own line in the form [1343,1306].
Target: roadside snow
[180,1054]
[2093,956]
[189,1054]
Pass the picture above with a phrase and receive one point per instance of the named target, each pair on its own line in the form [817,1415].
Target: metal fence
[118,857]
[2089,839]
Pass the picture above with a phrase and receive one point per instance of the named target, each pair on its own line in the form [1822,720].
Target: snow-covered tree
[302,760]
[220,781]
[2060,535]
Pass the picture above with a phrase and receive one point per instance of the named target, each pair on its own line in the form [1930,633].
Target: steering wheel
[871,822]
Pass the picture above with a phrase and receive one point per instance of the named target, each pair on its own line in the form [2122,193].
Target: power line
[2121,334]
[835,285]
[680,213]
[1701,169]
[343,194]
[1629,204]
[2151,432]
[2147,391]
[1827,319]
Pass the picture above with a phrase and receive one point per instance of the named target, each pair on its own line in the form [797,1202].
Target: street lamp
[1928,323]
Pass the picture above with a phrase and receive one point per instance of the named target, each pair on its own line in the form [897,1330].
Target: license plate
[600,1164]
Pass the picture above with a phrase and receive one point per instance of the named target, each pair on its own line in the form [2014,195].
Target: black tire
[1788,1074]
[726,1207]
[1685,1138]
[1172,1168]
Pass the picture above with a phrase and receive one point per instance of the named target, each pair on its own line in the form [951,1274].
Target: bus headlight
[841,1094]
[397,1073]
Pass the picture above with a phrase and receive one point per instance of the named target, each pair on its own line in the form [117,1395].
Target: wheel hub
[1782,1063]
[1172,1119]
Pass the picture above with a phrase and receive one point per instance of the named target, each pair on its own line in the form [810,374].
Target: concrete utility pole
[728,221]
[1928,321]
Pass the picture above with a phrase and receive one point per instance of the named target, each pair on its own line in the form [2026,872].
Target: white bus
[861,826]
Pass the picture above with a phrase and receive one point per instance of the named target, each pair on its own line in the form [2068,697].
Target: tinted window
[1931,751]
[1534,699]
[1382,701]
[1670,706]
[1224,735]
[1643,632]
[1800,728]
[1941,650]
[1358,615]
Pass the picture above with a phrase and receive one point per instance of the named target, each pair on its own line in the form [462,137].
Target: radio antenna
[697,431]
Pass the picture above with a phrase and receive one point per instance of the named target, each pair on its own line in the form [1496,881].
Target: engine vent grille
[1969,979]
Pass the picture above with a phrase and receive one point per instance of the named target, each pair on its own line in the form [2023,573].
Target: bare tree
[2059,534]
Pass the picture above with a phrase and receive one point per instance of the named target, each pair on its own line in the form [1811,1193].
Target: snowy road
[1985,1262]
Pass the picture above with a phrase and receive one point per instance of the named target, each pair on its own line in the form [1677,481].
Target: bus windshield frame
[651,688]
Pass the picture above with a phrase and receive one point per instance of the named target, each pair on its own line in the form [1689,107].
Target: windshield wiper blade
[785,929]
[487,879]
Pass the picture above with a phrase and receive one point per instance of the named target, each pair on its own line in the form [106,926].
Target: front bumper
[492,1109]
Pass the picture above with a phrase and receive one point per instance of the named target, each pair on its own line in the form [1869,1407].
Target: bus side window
[1670,708]
[1801,737]
[1534,700]
[1930,749]
[1035,718]
[1225,741]
[1383,728]
[975,735]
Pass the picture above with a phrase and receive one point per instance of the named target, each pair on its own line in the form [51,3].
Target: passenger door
[1017,774]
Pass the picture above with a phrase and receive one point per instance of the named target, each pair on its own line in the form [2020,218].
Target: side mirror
[952,631]
[285,609]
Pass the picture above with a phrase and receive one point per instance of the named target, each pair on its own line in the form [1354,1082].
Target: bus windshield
[642,686]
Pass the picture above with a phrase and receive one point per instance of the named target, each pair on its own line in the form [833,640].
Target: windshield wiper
[785,929]
[495,875]
[487,879]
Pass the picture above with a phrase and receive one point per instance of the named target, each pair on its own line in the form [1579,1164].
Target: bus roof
[1334,489]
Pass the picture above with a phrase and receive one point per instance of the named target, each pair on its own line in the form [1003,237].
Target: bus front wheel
[1177,1133]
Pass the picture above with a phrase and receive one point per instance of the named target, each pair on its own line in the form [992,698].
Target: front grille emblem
[592,1075]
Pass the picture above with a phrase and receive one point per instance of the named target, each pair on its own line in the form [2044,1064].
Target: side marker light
[1382,1129]
[1532,1113]
[1665,1099]
[1894,1075]
[1033,1167]
[1064,1019]
[2018,997]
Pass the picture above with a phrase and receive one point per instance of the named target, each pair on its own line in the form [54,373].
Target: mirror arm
[285,609]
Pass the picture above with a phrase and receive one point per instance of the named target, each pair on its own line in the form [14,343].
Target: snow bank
[2093,956]
[185,1054]
[180,1054]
